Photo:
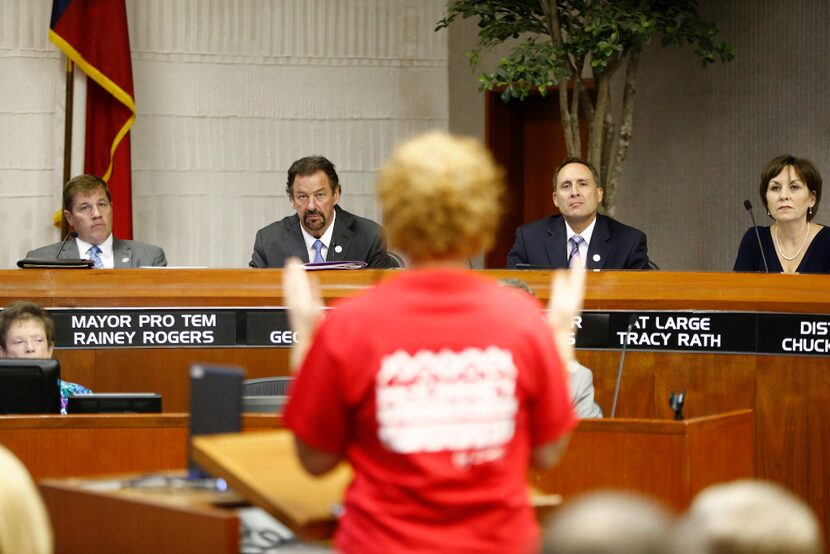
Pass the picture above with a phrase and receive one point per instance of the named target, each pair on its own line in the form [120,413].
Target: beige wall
[229,93]
[701,135]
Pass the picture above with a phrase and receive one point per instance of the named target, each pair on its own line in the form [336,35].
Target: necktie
[94,255]
[573,257]
[318,251]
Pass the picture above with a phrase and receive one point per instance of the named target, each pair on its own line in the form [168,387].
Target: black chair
[265,395]
[397,258]
[267,386]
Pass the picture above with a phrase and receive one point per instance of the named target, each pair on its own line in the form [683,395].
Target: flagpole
[67,137]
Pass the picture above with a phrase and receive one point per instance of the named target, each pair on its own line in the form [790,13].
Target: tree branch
[608,127]
[552,19]
[575,118]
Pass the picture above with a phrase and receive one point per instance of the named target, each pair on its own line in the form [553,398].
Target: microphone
[676,401]
[72,234]
[631,319]
[748,206]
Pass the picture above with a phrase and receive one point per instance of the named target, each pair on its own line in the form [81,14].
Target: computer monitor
[29,386]
[215,403]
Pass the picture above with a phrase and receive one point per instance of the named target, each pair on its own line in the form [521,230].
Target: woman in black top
[790,190]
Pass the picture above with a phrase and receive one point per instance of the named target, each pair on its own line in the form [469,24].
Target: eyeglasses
[320,197]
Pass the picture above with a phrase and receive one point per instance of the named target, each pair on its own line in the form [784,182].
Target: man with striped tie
[87,206]
[579,236]
[320,230]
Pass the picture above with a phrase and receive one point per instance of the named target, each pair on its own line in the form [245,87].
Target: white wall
[29,93]
[228,94]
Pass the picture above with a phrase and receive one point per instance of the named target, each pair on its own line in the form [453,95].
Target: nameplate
[692,331]
[150,328]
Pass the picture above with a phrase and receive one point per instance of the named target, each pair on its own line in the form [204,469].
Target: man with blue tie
[579,236]
[87,206]
[320,230]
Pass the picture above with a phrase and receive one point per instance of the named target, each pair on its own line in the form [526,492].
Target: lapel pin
[596,257]
[338,249]
[125,260]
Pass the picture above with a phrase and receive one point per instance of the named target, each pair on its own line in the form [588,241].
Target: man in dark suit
[320,230]
[87,206]
[579,236]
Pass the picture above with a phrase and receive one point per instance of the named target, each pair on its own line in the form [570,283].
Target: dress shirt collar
[325,239]
[106,254]
[586,236]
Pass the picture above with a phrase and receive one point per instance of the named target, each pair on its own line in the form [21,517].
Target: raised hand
[566,295]
[302,298]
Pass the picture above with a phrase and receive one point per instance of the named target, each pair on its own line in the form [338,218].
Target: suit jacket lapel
[294,242]
[341,236]
[70,251]
[600,244]
[121,251]
[555,243]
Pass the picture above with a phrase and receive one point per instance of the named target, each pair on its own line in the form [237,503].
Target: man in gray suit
[580,378]
[87,206]
[581,385]
[320,230]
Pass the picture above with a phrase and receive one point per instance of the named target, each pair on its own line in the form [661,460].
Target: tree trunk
[626,127]
[598,122]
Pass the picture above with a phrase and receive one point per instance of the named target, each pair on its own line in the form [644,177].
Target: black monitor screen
[29,386]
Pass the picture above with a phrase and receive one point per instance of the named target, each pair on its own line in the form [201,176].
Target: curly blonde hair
[441,197]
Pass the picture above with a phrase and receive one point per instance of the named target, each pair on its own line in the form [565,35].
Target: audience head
[748,517]
[441,198]
[26,331]
[609,523]
[314,190]
[577,192]
[24,521]
[87,206]
[801,182]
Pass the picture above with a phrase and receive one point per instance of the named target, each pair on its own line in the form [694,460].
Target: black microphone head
[747,205]
[73,234]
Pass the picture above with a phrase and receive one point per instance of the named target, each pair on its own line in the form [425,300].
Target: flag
[94,35]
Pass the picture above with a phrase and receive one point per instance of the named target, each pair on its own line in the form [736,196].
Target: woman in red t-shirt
[438,386]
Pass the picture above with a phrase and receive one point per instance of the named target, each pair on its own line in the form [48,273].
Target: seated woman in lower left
[27,331]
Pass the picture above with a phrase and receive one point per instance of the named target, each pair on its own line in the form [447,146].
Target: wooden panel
[79,445]
[793,399]
[605,290]
[166,371]
[503,132]
[719,450]
[60,446]
[105,522]
[671,460]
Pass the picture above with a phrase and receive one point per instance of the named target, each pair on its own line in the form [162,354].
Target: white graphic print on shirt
[456,401]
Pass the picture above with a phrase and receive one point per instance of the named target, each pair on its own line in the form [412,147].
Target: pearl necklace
[797,252]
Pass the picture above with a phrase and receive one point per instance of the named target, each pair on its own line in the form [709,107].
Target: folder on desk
[263,468]
[41,263]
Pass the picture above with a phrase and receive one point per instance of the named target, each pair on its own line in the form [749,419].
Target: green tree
[559,42]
